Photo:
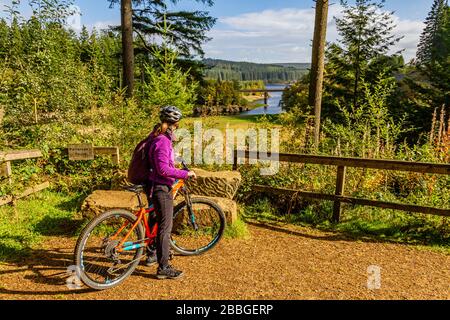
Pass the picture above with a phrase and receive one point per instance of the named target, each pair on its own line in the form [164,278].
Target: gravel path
[282,262]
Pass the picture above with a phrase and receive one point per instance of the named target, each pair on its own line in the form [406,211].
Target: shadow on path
[328,235]
[49,268]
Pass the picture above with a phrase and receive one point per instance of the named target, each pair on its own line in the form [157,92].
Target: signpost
[83,151]
[5,170]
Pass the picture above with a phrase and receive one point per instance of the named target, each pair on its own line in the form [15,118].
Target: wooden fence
[6,171]
[342,163]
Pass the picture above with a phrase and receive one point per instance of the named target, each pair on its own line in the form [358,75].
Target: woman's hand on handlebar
[192,175]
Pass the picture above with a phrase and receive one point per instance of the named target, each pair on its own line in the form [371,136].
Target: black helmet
[170,114]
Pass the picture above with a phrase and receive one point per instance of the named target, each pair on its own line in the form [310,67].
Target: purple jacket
[162,160]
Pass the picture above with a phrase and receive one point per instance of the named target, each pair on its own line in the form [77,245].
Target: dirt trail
[275,263]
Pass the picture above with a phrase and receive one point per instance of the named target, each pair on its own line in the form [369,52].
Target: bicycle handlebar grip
[185,167]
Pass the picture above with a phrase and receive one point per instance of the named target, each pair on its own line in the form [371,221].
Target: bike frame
[142,216]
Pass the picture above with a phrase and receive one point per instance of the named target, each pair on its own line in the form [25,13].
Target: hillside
[245,71]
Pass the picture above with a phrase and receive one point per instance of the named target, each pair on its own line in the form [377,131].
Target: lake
[273,107]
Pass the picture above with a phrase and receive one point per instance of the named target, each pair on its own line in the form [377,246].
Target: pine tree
[4,46]
[426,85]
[187,28]
[434,54]
[167,83]
[84,47]
[430,38]
[365,39]
[438,68]
[16,43]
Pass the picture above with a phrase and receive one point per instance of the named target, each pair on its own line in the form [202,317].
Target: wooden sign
[81,152]
[113,151]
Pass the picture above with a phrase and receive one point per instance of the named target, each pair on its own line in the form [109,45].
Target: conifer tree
[426,85]
[4,32]
[366,37]
[187,28]
[440,65]
[430,39]
[167,83]
[362,51]
[434,48]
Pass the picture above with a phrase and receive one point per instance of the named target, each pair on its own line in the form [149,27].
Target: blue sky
[268,30]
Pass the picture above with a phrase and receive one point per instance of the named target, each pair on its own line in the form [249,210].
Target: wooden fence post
[116,157]
[5,170]
[6,157]
[340,182]
[9,171]
[318,64]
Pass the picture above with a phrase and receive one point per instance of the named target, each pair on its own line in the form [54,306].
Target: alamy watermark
[73,282]
[213,146]
[373,277]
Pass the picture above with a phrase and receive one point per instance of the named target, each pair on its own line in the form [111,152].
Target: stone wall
[102,200]
[222,184]
[220,187]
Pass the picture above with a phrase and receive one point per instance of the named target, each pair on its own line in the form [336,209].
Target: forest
[246,71]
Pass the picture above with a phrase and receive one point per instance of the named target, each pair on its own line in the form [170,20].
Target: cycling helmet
[170,114]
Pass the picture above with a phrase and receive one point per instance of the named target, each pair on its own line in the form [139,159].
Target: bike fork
[191,213]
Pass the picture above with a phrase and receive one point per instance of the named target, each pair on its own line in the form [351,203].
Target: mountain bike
[111,246]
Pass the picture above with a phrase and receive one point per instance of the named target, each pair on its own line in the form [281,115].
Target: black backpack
[140,166]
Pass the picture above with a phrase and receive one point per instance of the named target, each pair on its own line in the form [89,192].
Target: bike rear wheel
[100,263]
[194,236]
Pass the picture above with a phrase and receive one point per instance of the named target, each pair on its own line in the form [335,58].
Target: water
[273,107]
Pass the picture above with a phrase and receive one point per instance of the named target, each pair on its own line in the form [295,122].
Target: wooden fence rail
[342,163]
[6,157]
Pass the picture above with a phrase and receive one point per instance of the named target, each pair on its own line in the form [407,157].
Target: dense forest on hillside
[246,71]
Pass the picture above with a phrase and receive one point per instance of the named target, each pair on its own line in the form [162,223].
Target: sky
[266,31]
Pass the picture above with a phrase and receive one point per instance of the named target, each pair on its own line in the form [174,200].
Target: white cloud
[285,35]
[74,22]
[100,25]
[411,31]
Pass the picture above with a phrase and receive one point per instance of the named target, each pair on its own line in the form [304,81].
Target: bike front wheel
[98,258]
[198,227]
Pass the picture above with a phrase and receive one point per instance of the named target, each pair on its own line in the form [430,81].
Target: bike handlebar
[183,163]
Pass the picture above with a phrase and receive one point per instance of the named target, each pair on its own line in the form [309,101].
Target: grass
[45,214]
[237,230]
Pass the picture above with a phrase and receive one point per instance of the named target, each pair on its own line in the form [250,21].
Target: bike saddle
[136,188]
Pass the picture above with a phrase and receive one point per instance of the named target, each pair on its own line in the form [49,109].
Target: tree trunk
[127,46]
[318,64]
[357,73]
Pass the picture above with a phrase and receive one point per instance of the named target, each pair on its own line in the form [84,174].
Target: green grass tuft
[237,230]
[44,214]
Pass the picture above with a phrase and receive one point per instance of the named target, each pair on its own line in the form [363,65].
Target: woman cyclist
[162,177]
